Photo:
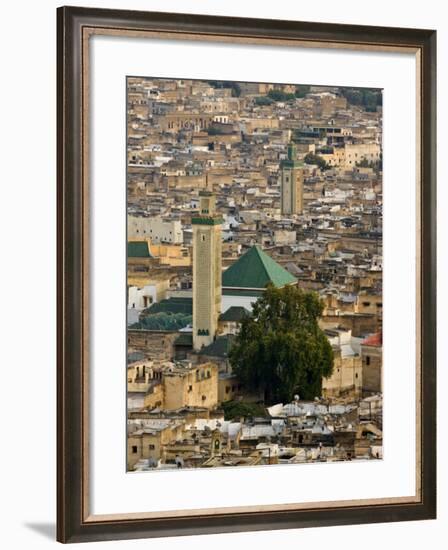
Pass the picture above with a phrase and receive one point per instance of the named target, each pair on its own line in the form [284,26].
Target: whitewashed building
[158,230]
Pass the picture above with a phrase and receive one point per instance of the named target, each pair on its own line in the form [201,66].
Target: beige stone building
[173,386]
[229,387]
[148,442]
[184,121]
[372,360]
[192,386]
[369,303]
[253,124]
[346,377]
[156,343]
[352,153]
[174,255]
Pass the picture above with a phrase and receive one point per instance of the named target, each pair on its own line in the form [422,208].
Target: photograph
[254,274]
[235,255]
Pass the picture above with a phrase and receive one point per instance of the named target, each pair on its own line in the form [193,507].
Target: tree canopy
[280,348]
[234,410]
[234,86]
[280,95]
[311,158]
[263,100]
[368,98]
[302,90]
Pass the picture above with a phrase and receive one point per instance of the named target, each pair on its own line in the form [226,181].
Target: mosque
[217,294]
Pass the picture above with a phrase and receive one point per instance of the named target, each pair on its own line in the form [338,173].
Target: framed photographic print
[246,274]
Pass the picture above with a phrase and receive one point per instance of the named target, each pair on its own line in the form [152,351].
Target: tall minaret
[207,247]
[291,183]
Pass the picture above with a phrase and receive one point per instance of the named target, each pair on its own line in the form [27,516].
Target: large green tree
[280,348]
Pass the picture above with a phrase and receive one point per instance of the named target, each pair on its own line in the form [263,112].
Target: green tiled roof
[138,249]
[184,339]
[234,313]
[255,269]
[206,220]
[135,356]
[230,291]
[291,164]
[171,305]
[219,348]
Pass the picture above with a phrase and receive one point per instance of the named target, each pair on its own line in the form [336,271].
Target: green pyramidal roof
[255,269]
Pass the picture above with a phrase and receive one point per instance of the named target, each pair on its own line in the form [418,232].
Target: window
[190,388]
[151,447]
[367,360]
[203,238]
[356,375]
[134,449]
[204,398]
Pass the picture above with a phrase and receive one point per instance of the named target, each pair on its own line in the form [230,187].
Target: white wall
[27,472]
[156,229]
[238,301]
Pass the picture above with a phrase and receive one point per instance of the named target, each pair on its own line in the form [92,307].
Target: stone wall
[359,324]
[372,358]
[197,388]
[346,377]
[155,344]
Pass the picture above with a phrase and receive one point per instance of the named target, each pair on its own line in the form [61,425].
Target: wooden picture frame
[75,26]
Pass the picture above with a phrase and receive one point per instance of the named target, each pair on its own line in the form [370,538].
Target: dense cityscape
[245,199]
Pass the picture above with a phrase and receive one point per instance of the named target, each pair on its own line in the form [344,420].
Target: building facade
[372,362]
[157,229]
